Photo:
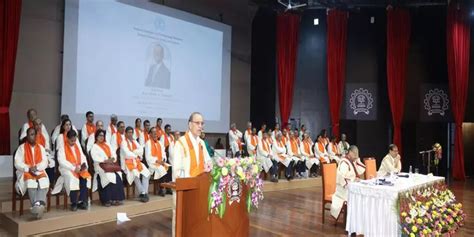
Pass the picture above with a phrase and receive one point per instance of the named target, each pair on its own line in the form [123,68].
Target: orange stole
[138,131]
[129,162]
[280,144]
[321,149]
[112,128]
[74,157]
[294,146]
[90,128]
[146,136]
[105,148]
[156,152]
[307,148]
[32,161]
[167,141]
[118,139]
[254,140]
[40,139]
[195,169]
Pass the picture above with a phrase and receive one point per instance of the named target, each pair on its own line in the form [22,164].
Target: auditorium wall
[39,58]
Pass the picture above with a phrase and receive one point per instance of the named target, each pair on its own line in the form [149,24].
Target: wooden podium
[192,218]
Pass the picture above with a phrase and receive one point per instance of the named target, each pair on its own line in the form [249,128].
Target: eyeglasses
[198,123]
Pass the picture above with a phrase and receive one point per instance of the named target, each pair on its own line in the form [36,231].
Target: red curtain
[9,29]
[398,40]
[336,62]
[458,37]
[287,46]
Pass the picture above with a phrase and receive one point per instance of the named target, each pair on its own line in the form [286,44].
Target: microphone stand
[424,154]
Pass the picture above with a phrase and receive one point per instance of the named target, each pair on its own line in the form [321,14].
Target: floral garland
[430,211]
[225,172]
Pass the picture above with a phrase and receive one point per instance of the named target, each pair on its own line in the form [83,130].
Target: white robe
[279,151]
[21,167]
[345,174]
[333,151]
[125,154]
[252,149]
[388,165]
[60,142]
[247,137]
[155,169]
[294,155]
[91,141]
[113,141]
[310,158]
[49,151]
[136,135]
[260,134]
[66,168]
[343,147]
[98,156]
[265,157]
[84,135]
[321,154]
[182,158]
[141,139]
[108,134]
[25,127]
[56,133]
[234,138]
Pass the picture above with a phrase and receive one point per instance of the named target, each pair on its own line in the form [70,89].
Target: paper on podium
[122,217]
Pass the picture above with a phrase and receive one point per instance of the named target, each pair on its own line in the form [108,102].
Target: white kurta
[49,151]
[333,152]
[279,150]
[56,133]
[310,158]
[247,136]
[345,173]
[388,165]
[294,154]
[25,127]
[91,142]
[141,139]
[137,135]
[84,135]
[155,169]
[264,156]
[22,167]
[109,133]
[343,146]
[126,154]
[98,156]
[60,142]
[113,141]
[66,168]
[260,134]
[252,149]
[182,158]
[321,153]
[234,138]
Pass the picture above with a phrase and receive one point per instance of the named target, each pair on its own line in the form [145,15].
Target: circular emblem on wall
[436,102]
[361,101]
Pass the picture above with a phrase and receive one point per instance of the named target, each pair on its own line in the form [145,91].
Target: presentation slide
[141,59]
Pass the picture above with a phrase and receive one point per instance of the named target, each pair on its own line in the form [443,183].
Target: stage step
[59,220]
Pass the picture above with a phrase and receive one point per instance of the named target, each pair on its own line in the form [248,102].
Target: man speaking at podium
[190,154]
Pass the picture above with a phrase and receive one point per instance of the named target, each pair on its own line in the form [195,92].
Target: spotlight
[372,20]
[316,21]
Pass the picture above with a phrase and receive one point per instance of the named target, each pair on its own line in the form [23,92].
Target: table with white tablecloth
[372,209]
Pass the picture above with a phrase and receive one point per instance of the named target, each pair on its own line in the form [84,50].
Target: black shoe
[73,207]
[82,205]
[169,191]
[146,198]
[108,204]
[161,193]
[274,180]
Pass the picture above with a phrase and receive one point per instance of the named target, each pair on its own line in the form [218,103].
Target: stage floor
[292,212]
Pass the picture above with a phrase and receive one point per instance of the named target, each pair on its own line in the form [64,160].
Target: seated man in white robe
[275,131]
[145,136]
[156,159]
[112,128]
[31,115]
[235,139]
[391,163]
[266,158]
[88,128]
[252,143]
[347,171]
[118,137]
[131,156]
[262,131]
[343,145]
[306,150]
[61,139]
[320,150]
[294,151]
[248,133]
[44,141]
[137,131]
[280,153]
[90,141]
[74,172]
[31,178]
[333,150]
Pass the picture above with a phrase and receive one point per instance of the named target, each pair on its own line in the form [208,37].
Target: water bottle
[410,172]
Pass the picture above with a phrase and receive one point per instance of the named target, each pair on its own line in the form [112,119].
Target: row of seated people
[137,163]
[293,149]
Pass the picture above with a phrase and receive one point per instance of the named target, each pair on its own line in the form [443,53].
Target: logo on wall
[361,101]
[436,102]
[234,190]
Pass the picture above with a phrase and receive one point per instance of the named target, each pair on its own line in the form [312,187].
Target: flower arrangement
[230,172]
[430,211]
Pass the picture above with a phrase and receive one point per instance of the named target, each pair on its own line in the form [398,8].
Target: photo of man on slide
[158,73]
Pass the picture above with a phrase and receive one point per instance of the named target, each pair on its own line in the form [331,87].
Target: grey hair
[192,116]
